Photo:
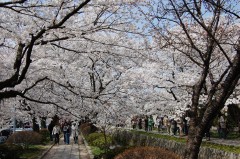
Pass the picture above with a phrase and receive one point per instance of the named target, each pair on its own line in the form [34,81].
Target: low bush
[147,153]
[93,136]
[97,152]
[25,138]
[10,151]
[45,135]
[101,143]
[109,154]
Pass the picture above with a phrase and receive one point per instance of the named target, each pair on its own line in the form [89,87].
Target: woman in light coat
[75,133]
[56,132]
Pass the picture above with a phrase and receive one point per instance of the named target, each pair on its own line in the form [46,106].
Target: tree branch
[3,4]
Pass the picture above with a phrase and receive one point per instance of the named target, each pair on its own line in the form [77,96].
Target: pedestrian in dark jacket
[146,123]
[50,129]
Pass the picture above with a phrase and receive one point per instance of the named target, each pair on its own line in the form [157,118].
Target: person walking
[159,123]
[64,129]
[173,127]
[146,123]
[150,123]
[67,133]
[50,129]
[168,126]
[140,123]
[134,122]
[56,132]
[75,133]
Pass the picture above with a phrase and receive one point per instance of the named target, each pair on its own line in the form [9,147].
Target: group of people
[175,126]
[67,128]
[162,123]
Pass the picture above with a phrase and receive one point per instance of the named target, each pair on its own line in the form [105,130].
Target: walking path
[71,151]
[80,151]
[228,142]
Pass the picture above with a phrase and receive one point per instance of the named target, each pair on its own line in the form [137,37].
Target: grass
[233,149]
[34,151]
[96,151]
[230,135]
[168,137]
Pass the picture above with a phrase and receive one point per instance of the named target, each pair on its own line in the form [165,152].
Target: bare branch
[3,4]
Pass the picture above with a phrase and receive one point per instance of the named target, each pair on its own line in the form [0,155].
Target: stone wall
[134,139]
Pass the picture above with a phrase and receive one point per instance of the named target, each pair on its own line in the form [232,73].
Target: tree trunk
[213,105]
[43,122]
[35,125]
[193,144]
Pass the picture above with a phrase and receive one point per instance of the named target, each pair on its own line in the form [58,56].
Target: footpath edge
[87,147]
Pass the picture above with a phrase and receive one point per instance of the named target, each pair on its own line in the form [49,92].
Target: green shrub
[100,142]
[10,151]
[25,138]
[109,154]
[93,136]
[147,153]
[45,135]
[97,152]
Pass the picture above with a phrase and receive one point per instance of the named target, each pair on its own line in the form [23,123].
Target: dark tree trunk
[43,122]
[215,102]
[35,125]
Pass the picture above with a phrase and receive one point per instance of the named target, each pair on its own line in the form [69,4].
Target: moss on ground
[34,151]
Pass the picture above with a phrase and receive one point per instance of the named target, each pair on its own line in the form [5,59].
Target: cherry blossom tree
[205,36]
[56,47]
[25,25]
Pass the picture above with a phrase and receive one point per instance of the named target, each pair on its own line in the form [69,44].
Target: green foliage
[10,151]
[93,136]
[100,146]
[34,151]
[96,151]
[25,138]
[101,143]
[182,140]
[110,154]
[231,135]
[146,153]
[234,149]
